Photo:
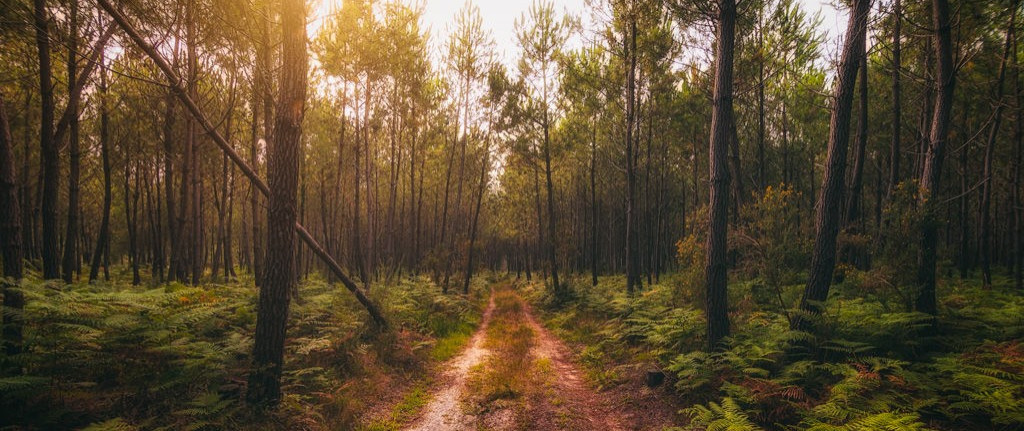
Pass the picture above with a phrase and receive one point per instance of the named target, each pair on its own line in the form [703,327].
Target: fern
[727,416]
[116,424]
[15,384]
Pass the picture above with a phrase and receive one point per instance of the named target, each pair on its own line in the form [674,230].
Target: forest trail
[539,389]
[445,412]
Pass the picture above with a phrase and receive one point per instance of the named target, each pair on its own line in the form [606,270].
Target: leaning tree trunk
[936,152]
[854,205]
[10,241]
[283,178]
[716,295]
[829,215]
[175,82]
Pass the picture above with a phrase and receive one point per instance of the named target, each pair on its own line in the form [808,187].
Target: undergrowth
[111,356]
[869,367]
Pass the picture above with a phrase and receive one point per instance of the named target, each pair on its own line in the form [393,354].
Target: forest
[622,215]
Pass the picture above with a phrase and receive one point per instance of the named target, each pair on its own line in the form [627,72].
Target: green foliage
[771,241]
[175,357]
[728,416]
[869,367]
[986,382]
[411,403]
[116,424]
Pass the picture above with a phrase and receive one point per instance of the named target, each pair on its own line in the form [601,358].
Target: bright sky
[500,15]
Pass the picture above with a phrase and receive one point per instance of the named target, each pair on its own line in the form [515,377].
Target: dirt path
[567,402]
[445,412]
[557,398]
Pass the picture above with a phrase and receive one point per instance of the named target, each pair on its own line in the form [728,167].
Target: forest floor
[514,374]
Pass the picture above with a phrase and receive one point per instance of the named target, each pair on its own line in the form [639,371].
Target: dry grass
[500,382]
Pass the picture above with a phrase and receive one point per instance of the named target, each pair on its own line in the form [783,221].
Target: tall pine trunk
[103,236]
[552,225]
[69,262]
[633,281]
[715,269]
[986,194]
[894,146]
[50,159]
[283,176]
[925,301]
[10,242]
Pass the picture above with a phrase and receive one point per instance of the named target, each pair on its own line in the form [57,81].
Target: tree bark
[175,83]
[10,241]
[762,180]
[131,205]
[484,170]
[854,206]
[552,225]
[69,262]
[830,201]
[932,173]
[897,125]
[103,236]
[593,207]
[283,177]
[715,270]
[986,195]
[50,158]
[1018,145]
[633,280]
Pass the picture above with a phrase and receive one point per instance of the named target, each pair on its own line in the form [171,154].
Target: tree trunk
[131,205]
[830,201]
[357,244]
[224,146]
[1018,145]
[283,166]
[484,170]
[50,158]
[894,147]
[552,225]
[762,180]
[986,195]
[10,242]
[633,281]
[593,207]
[715,270]
[540,217]
[854,206]
[194,191]
[69,262]
[932,174]
[103,236]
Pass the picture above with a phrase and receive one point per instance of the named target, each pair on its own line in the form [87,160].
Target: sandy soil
[559,397]
[445,412]
[567,402]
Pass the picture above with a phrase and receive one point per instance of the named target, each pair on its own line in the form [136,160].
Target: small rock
[655,378]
